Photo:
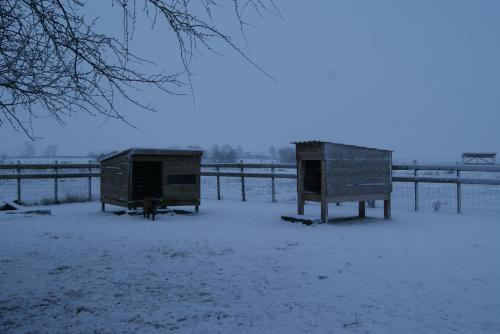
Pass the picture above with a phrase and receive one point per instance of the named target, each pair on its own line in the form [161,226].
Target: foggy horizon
[421,79]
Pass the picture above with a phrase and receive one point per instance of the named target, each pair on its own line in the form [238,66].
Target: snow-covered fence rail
[414,174]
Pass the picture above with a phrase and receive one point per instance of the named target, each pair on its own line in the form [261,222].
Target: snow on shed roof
[327,142]
[153,151]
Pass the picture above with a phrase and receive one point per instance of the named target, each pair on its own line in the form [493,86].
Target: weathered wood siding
[181,165]
[309,151]
[353,177]
[348,152]
[115,179]
[355,170]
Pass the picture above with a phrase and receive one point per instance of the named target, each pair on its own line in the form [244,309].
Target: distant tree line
[28,150]
[218,153]
[224,153]
[227,154]
[287,154]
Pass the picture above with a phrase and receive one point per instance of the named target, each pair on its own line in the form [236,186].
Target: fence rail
[418,167]
[87,170]
[50,166]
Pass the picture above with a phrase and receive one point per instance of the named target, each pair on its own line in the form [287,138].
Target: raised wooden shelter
[478,158]
[170,176]
[329,172]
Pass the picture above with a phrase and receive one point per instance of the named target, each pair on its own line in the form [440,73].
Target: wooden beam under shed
[387,209]
[362,209]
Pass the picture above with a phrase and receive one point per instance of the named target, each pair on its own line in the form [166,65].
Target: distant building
[478,158]
[257,158]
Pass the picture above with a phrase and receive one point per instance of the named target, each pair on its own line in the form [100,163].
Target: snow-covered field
[237,268]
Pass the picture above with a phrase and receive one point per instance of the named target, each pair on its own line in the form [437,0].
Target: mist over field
[417,78]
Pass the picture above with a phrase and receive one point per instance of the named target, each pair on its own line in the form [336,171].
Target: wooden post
[324,193]
[218,183]
[56,190]
[459,193]
[300,187]
[361,209]
[90,182]
[387,208]
[416,187]
[242,184]
[19,181]
[273,186]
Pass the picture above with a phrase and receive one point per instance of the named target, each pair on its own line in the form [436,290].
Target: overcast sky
[419,77]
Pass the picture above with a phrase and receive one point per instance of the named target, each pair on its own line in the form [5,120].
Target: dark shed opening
[312,176]
[146,179]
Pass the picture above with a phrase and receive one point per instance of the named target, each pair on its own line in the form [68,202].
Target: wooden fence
[53,173]
[218,170]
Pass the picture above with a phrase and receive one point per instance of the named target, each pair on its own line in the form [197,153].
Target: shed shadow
[340,221]
[354,220]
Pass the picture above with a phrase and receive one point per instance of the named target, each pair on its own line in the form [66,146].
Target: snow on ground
[237,268]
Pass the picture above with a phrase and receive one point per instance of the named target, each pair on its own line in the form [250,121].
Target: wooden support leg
[300,188]
[103,206]
[324,211]
[361,209]
[324,193]
[387,209]
[196,208]
[300,206]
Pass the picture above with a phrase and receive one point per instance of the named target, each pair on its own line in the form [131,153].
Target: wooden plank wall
[357,171]
[309,151]
[115,178]
[341,152]
[181,165]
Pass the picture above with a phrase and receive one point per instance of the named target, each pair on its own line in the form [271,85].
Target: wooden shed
[170,176]
[332,173]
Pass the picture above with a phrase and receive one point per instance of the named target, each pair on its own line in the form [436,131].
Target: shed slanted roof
[346,145]
[154,151]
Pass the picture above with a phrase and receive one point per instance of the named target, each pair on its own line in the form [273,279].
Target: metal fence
[448,188]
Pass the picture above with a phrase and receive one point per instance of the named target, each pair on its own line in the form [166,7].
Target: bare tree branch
[54,61]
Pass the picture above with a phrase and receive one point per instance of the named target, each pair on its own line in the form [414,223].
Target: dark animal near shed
[149,207]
